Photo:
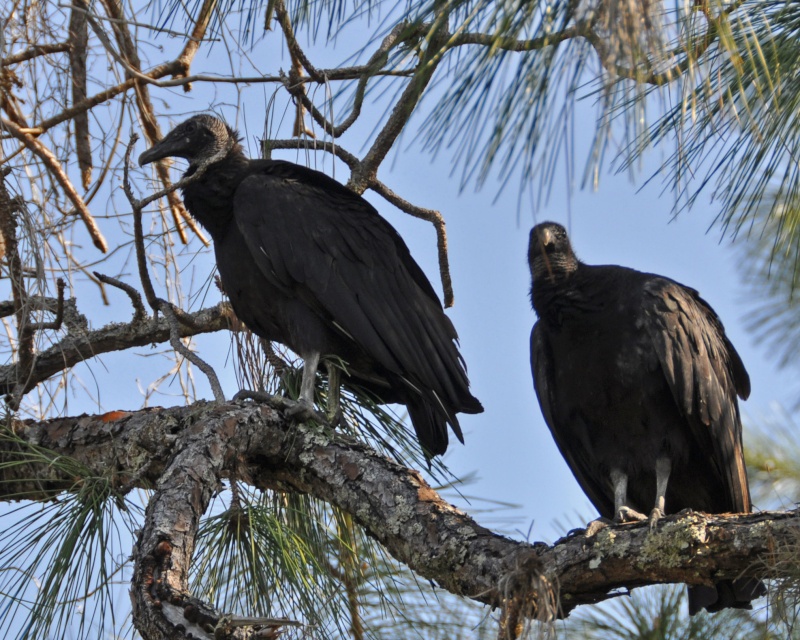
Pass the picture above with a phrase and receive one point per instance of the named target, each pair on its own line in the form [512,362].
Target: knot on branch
[526,594]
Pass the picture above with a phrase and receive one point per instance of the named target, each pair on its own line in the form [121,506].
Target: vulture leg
[663,468]
[303,410]
[622,512]
[310,366]
[334,409]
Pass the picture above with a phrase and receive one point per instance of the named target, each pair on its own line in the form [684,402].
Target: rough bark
[185,453]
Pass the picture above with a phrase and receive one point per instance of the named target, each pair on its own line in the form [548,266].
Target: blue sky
[508,446]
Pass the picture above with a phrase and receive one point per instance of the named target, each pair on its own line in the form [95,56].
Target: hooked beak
[168,147]
[546,237]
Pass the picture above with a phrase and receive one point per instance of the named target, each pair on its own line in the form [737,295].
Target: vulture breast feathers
[311,264]
[638,384]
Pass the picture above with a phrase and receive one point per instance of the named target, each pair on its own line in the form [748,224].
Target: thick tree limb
[186,452]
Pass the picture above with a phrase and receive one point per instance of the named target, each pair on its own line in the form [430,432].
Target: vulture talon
[626,515]
[655,515]
[303,411]
[596,526]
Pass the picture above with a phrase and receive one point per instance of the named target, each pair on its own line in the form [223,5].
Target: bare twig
[56,323]
[377,60]
[175,340]
[436,219]
[195,38]
[511,44]
[139,310]
[25,333]
[171,313]
[129,58]
[154,76]
[81,344]
[34,52]
[295,50]
[404,107]
[316,145]
[7,307]
[138,232]
[54,166]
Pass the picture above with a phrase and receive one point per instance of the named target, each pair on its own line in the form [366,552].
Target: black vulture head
[550,254]
[200,139]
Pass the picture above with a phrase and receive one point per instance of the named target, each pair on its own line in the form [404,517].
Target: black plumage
[310,264]
[638,382]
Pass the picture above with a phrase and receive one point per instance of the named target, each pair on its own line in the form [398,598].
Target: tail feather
[430,426]
[726,594]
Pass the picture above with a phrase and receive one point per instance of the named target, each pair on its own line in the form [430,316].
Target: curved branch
[512,44]
[437,220]
[256,444]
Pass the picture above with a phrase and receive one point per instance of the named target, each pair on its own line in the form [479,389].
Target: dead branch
[55,324]
[170,311]
[139,311]
[25,332]
[34,52]
[195,38]
[129,58]
[81,344]
[79,39]
[295,49]
[437,220]
[294,83]
[56,170]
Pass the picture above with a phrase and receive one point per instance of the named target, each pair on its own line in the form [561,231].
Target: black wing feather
[580,461]
[704,373]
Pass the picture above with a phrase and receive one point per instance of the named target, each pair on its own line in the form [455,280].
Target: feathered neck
[230,152]
[553,268]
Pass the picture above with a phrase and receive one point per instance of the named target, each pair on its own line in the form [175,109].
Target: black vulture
[637,382]
[310,264]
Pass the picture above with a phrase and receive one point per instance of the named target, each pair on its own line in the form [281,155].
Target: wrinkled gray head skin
[199,139]
[550,252]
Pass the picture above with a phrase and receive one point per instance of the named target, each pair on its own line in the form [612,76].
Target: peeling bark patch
[229,426]
[113,416]
[426,494]
[351,470]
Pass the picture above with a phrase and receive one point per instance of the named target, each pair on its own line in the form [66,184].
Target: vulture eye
[190,127]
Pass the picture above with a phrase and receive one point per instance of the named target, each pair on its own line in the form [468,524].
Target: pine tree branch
[186,452]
